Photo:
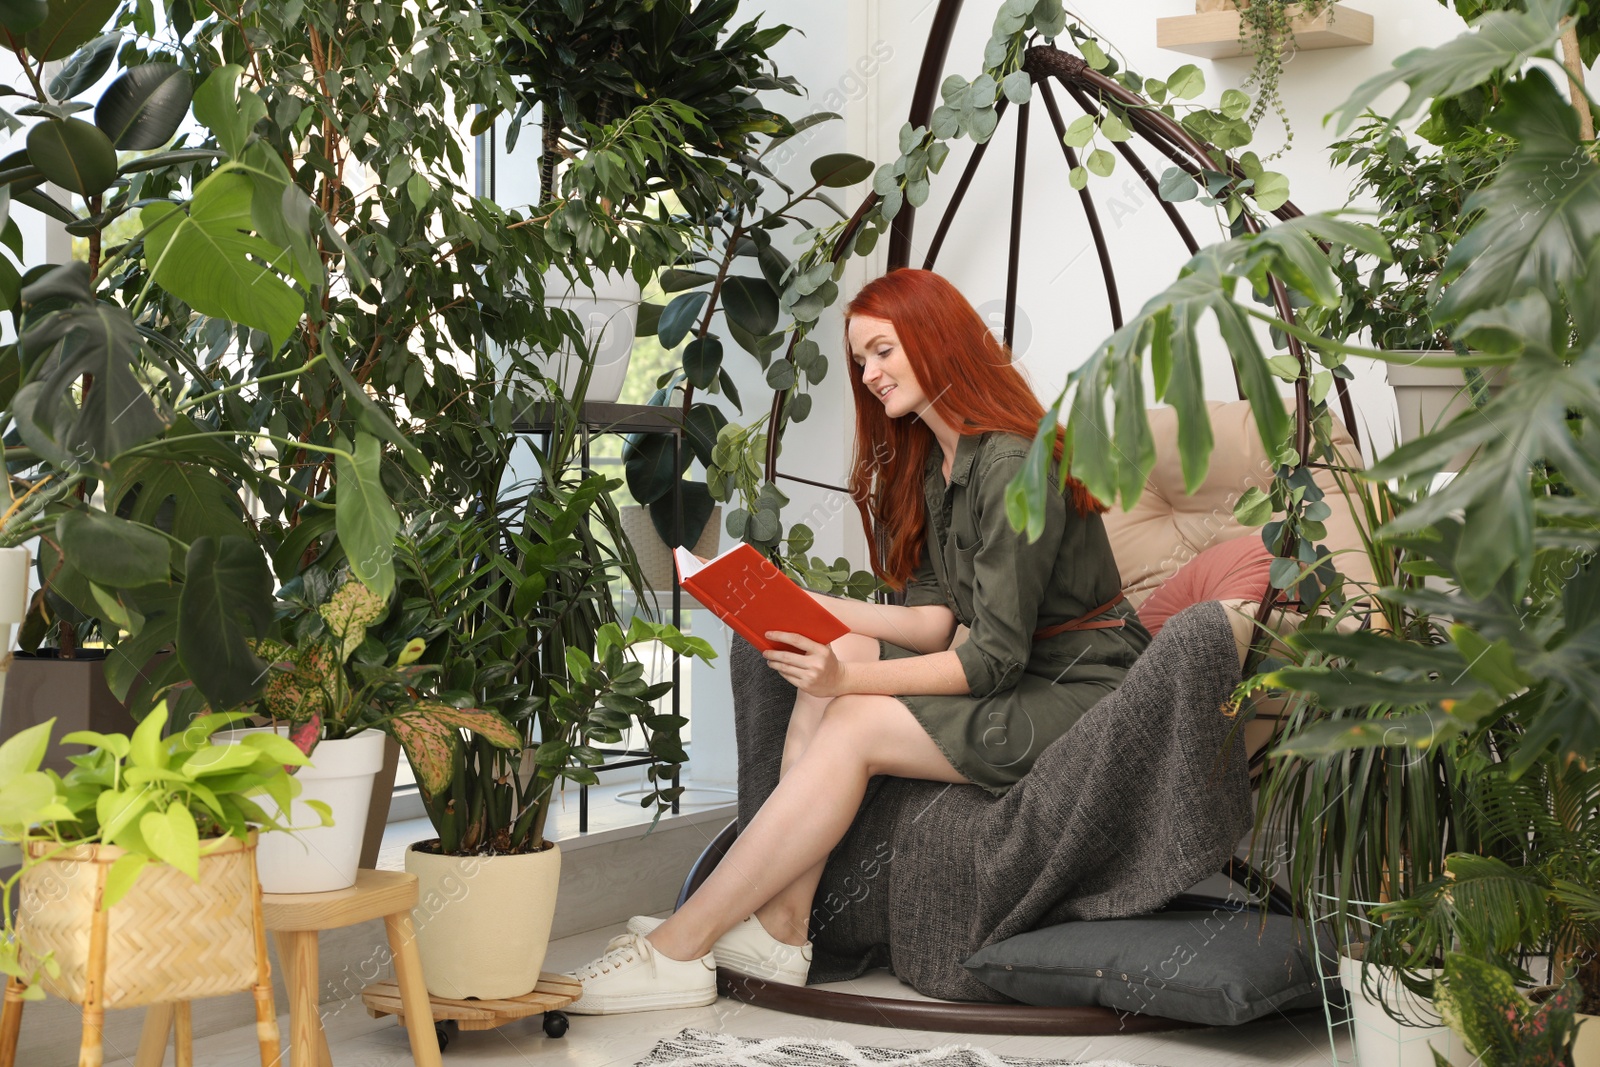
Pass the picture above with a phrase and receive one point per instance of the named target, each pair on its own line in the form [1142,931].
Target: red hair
[969,377]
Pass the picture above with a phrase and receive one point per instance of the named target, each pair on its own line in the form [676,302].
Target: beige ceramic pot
[483,922]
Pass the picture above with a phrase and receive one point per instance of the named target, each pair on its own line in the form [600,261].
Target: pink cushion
[1237,569]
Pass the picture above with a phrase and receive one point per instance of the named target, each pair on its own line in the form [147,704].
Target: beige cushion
[1167,527]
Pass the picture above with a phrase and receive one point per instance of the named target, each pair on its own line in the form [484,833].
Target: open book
[745,590]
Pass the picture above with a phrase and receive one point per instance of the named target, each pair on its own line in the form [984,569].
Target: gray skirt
[993,740]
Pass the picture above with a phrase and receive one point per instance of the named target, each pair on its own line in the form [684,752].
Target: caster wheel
[555,1023]
[442,1032]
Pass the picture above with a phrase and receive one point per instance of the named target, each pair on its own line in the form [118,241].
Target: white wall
[1062,308]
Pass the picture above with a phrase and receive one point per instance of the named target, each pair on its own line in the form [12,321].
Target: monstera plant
[122,458]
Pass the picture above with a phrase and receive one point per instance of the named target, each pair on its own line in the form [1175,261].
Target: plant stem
[1572,60]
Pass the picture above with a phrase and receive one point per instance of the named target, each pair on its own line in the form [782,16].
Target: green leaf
[1093,54]
[1234,104]
[366,519]
[226,601]
[121,876]
[1271,191]
[1499,43]
[751,303]
[1017,86]
[113,552]
[1080,132]
[1101,162]
[678,318]
[1177,186]
[117,809]
[674,280]
[1254,508]
[86,67]
[702,360]
[22,753]
[839,170]
[279,749]
[208,258]
[99,339]
[1114,129]
[1078,178]
[371,418]
[73,154]
[1187,82]
[69,24]
[20,16]
[1540,216]
[226,111]
[143,108]
[172,836]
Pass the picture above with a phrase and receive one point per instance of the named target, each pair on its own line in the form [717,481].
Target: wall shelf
[1215,34]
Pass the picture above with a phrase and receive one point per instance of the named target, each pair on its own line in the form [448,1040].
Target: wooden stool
[295,919]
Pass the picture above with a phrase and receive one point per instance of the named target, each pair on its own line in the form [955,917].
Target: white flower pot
[320,859]
[1586,1049]
[483,922]
[1378,1040]
[1429,398]
[609,312]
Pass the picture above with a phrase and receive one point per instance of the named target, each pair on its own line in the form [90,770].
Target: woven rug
[701,1048]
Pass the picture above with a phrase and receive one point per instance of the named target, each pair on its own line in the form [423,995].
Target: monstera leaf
[209,258]
[86,336]
[226,600]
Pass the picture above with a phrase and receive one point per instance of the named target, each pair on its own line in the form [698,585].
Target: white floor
[356,1040]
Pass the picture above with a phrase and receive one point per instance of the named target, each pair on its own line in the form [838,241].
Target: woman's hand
[814,669]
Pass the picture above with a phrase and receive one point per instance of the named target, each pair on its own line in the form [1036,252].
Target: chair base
[944,1016]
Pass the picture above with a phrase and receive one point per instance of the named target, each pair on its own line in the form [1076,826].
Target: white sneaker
[749,949]
[633,976]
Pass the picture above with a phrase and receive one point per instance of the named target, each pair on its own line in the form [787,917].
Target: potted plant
[335,695]
[531,629]
[1420,193]
[149,838]
[1500,1025]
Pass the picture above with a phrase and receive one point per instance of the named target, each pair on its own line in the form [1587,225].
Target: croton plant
[334,683]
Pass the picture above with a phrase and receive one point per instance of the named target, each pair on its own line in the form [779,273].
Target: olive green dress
[1024,694]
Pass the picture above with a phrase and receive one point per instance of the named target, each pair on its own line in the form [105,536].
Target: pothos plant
[161,799]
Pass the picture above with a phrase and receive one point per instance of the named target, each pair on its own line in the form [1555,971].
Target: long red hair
[969,377]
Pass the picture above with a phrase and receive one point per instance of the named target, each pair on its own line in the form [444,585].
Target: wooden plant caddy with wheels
[553,992]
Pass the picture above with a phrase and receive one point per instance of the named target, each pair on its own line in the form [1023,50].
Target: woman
[1000,647]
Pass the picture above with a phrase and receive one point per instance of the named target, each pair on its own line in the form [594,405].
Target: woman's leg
[807,814]
[787,915]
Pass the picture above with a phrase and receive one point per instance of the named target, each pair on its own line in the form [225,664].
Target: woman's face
[885,370]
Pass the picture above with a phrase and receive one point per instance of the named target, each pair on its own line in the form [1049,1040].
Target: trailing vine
[1266,29]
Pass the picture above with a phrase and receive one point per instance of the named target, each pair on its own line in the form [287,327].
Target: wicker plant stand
[169,941]
[553,992]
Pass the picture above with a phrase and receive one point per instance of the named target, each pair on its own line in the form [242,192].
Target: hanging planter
[1213,31]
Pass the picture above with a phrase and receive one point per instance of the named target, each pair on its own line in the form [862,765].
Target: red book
[745,590]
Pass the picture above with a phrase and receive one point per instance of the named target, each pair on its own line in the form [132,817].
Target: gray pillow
[1217,967]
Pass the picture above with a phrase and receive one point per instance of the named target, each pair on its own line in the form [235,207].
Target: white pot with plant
[608,313]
